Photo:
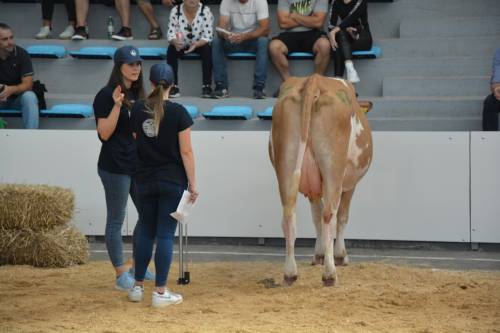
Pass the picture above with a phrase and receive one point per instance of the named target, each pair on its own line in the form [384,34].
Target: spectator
[190,29]
[248,22]
[82,10]
[117,157]
[302,22]
[16,79]
[492,102]
[348,31]
[48,11]
[146,8]
[165,169]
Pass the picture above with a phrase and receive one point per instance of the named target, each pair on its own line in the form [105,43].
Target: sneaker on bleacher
[258,93]
[220,92]
[44,33]
[80,34]
[206,91]
[125,33]
[67,33]
[175,92]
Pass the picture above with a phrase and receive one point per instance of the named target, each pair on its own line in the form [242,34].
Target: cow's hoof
[329,281]
[341,261]
[289,280]
[318,259]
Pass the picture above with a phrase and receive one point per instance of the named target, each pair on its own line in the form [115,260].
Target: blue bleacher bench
[192,110]
[229,112]
[374,52]
[266,114]
[47,51]
[153,53]
[58,110]
[241,55]
[94,52]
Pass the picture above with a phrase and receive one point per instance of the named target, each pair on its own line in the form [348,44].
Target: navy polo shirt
[15,67]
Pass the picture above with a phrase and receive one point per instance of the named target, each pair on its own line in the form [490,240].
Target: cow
[320,145]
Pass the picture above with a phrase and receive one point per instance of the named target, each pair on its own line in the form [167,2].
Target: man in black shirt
[16,79]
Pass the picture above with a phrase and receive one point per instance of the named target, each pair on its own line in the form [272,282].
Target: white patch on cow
[300,156]
[341,80]
[354,150]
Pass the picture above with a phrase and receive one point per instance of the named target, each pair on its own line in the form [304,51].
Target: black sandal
[155,34]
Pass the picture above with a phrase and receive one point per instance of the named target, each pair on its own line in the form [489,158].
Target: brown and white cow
[320,145]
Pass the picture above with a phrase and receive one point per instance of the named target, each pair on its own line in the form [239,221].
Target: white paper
[184,208]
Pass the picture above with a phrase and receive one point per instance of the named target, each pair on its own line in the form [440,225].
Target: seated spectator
[16,79]
[48,11]
[302,22]
[248,23]
[82,10]
[348,31]
[190,29]
[492,102]
[146,8]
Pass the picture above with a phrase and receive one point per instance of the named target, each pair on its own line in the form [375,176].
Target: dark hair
[154,103]
[4,26]
[137,87]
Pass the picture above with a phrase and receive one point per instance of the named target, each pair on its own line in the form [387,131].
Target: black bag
[40,90]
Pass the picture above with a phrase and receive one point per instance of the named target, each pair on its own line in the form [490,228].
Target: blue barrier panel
[266,114]
[152,53]
[374,52]
[94,52]
[241,55]
[229,112]
[68,110]
[10,112]
[192,110]
[46,51]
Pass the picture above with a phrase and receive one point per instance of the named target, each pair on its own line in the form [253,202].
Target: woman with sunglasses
[117,158]
[190,29]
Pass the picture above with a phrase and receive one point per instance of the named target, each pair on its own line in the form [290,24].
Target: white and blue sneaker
[165,299]
[149,276]
[124,282]
[136,294]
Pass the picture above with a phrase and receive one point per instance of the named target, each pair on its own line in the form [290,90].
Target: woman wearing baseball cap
[165,169]
[117,158]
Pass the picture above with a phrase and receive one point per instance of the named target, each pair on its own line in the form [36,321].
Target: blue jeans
[117,188]
[220,47]
[155,202]
[27,102]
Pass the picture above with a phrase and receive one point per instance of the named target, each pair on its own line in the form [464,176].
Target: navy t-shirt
[159,157]
[15,67]
[118,153]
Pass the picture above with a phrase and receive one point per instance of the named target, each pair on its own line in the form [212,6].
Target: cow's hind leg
[319,248]
[341,257]
[289,229]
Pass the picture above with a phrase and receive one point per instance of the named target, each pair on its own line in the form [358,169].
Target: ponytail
[154,104]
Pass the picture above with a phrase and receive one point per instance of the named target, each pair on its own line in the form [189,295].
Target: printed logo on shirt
[301,7]
[148,127]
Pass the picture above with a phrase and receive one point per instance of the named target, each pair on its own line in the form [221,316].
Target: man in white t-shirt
[247,25]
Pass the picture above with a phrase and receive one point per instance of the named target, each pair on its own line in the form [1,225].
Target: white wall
[418,188]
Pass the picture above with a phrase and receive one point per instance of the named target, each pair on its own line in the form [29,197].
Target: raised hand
[118,96]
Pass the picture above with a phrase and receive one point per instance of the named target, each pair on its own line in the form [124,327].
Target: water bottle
[180,37]
[110,27]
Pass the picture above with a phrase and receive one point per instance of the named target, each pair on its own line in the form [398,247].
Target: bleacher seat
[47,51]
[59,110]
[374,52]
[153,53]
[10,112]
[241,55]
[266,114]
[94,52]
[192,110]
[229,112]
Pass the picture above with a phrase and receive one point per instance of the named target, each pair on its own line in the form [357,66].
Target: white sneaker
[352,75]
[136,294]
[67,33]
[44,33]
[165,299]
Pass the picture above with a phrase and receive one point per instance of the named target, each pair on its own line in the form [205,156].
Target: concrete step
[436,86]
[446,8]
[425,124]
[450,26]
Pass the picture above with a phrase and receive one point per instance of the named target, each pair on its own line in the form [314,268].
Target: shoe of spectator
[124,282]
[80,34]
[125,33]
[136,294]
[352,75]
[258,93]
[206,91]
[44,33]
[155,34]
[220,92]
[149,276]
[67,33]
[165,299]
[175,92]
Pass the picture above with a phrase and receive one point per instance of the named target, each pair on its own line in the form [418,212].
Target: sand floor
[241,297]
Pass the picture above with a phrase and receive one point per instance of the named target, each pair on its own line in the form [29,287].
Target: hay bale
[61,246]
[35,207]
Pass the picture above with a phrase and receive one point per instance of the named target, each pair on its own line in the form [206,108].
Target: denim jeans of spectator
[27,102]
[155,202]
[221,47]
[491,109]
[117,188]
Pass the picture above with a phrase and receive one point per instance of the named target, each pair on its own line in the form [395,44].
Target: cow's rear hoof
[318,260]
[329,281]
[289,280]
[339,261]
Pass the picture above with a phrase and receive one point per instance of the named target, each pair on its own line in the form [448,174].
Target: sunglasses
[189,29]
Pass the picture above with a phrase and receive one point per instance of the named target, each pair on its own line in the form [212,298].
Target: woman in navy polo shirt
[165,169]
[117,158]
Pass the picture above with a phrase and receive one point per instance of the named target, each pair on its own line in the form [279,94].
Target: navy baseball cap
[127,54]
[161,72]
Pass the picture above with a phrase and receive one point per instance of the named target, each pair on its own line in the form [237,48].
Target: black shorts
[301,41]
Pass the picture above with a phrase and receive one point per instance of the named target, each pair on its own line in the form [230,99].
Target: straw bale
[61,246]
[35,206]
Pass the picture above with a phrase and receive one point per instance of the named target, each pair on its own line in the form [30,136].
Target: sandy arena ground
[248,297]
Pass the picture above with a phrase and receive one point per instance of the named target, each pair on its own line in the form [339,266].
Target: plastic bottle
[180,37]
[110,26]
